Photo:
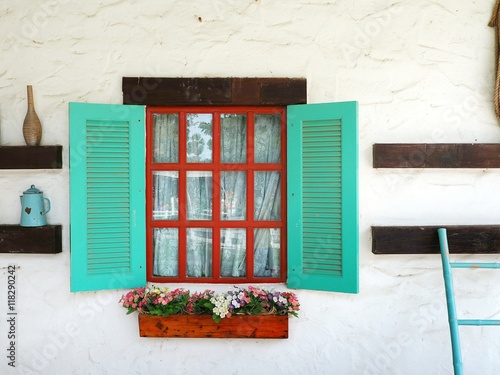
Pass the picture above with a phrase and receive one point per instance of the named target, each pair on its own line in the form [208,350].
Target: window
[108,218]
[216,188]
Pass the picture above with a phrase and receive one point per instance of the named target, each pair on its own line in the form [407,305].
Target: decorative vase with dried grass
[32,127]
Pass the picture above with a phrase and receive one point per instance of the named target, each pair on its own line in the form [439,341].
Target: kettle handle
[48,204]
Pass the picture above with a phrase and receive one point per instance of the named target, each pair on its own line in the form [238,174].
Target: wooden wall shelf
[462,239]
[30,240]
[31,157]
[436,155]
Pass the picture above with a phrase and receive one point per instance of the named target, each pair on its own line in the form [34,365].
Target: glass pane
[267,252]
[165,251]
[233,138]
[165,195]
[165,138]
[267,139]
[199,138]
[233,192]
[233,252]
[199,195]
[199,252]
[267,195]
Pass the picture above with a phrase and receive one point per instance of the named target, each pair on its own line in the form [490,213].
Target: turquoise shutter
[107,196]
[322,196]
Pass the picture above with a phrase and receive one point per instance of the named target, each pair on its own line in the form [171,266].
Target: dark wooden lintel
[31,157]
[30,240]
[157,91]
[436,155]
[462,239]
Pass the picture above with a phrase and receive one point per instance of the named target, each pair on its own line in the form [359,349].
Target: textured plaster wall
[421,70]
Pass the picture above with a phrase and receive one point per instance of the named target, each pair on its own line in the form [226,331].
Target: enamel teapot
[33,208]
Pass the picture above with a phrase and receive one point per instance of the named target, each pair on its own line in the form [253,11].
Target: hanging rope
[494,23]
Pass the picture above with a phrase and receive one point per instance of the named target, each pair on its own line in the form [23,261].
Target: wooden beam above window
[462,239]
[436,155]
[156,91]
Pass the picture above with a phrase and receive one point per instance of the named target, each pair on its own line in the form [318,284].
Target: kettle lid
[33,190]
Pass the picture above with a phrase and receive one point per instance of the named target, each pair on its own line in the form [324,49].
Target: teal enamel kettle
[33,208]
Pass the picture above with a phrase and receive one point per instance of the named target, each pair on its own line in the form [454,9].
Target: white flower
[222,304]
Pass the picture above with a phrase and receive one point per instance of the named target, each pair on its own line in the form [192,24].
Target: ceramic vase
[32,127]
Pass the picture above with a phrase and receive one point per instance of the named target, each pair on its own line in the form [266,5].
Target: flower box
[204,326]
[239,313]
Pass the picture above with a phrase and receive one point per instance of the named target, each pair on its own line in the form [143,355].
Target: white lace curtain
[233,197]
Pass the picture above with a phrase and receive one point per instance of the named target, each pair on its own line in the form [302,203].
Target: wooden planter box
[200,326]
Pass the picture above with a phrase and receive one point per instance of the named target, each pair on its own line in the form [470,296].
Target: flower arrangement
[238,301]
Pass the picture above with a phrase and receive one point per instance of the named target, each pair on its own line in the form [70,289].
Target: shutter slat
[326,158]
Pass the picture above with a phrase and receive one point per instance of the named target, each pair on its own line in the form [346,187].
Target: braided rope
[494,23]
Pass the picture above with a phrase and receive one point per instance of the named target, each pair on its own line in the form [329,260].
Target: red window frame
[216,167]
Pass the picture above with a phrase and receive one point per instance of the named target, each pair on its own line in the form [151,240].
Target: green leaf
[216,318]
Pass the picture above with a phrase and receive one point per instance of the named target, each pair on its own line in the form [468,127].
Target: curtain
[233,201]
[233,196]
[199,252]
[267,193]
[199,240]
[165,194]
[166,252]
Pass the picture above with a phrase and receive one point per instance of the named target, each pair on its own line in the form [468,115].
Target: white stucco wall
[421,70]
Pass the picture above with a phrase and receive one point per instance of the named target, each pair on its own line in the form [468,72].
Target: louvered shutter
[322,196]
[107,196]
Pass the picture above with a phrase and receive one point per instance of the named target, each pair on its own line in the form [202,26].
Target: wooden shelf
[436,155]
[462,239]
[31,157]
[30,240]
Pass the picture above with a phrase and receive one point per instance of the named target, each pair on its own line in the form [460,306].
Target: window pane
[165,138]
[267,139]
[165,195]
[199,138]
[199,252]
[233,191]
[199,195]
[233,252]
[165,251]
[233,138]
[267,195]
[267,252]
